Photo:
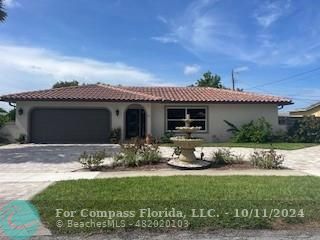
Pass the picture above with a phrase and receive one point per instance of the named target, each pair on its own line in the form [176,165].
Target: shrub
[4,140]
[267,159]
[150,155]
[22,138]
[225,157]
[280,136]
[115,135]
[306,129]
[12,115]
[166,137]
[127,158]
[3,120]
[93,161]
[259,131]
[137,154]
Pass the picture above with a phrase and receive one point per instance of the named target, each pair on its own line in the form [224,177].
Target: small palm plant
[3,14]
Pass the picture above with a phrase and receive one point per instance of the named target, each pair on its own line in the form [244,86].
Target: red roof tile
[103,92]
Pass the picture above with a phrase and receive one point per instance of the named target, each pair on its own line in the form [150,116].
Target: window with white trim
[175,116]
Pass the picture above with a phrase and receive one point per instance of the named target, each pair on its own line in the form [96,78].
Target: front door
[135,123]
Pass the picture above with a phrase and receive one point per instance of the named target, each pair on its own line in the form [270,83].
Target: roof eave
[14,100]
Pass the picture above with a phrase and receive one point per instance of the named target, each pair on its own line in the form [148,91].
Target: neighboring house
[286,120]
[87,114]
[312,110]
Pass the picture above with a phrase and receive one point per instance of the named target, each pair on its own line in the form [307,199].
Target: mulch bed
[238,166]
[163,165]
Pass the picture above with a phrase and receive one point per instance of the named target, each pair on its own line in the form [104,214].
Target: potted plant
[115,135]
[149,139]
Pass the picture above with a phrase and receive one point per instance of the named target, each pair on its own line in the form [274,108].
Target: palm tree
[3,14]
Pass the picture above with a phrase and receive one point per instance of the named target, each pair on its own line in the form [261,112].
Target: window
[175,116]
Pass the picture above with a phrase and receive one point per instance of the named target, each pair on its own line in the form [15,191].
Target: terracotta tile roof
[103,92]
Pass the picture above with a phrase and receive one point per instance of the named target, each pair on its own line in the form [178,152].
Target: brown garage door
[70,126]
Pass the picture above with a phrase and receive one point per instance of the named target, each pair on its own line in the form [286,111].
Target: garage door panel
[70,126]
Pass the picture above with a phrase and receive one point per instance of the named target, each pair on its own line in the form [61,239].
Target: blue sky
[167,42]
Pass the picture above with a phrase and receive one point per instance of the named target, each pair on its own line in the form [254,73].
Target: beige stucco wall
[116,121]
[238,114]
[155,114]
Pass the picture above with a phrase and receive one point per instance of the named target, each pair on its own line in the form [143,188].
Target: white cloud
[39,61]
[11,3]
[207,29]
[191,69]
[165,39]
[162,19]
[270,12]
[241,69]
[30,68]
[201,30]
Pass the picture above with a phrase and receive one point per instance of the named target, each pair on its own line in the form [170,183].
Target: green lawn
[225,194]
[283,145]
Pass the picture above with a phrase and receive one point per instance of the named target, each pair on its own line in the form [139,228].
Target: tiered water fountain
[187,144]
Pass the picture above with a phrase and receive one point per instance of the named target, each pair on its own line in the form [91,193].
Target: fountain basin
[188,143]
[196,165]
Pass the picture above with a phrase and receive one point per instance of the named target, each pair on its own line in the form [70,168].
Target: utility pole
[233,80]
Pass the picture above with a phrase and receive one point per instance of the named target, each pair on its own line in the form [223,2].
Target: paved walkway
[205,172]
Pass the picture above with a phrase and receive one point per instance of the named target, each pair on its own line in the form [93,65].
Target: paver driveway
[33,158]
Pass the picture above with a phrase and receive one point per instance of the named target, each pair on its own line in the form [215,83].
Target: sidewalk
[206,172]
[54,177]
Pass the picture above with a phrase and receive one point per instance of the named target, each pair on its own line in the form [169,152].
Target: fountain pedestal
[187,148]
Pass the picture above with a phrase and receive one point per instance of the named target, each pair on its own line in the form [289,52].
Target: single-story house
[88,113]
[312,110]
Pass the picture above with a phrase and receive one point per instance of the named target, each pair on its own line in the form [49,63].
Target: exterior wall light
[20,111]
[117,112]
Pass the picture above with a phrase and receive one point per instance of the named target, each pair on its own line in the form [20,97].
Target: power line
[295,98]
[305,99]
[285,79]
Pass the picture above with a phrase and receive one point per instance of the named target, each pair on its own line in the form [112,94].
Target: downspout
[12,104]
[280,107]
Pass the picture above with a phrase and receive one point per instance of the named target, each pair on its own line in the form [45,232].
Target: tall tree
[65,84]
[3,14]
[210,80]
